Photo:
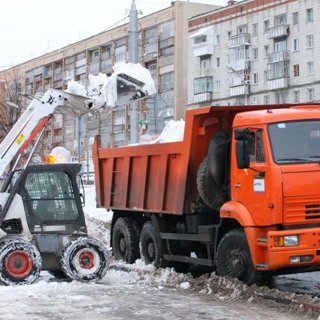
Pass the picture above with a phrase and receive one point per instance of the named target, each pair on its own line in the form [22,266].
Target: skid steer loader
[42,223]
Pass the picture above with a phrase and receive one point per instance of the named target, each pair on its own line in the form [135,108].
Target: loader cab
[51,198]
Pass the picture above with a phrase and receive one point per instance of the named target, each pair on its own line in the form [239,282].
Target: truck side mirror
[244,144]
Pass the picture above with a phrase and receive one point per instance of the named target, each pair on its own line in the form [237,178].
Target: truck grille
[298,210]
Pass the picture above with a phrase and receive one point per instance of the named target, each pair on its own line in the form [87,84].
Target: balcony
[203,42]
[239,65]
[81,63]
[202,49]
[239,90]
[279,83]
[201,97]
[278,56]
[278,31]
[239,40]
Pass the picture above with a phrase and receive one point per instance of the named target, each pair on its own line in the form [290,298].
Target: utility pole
[133,57]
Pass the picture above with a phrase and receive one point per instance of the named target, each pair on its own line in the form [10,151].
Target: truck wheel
[150,245]
[125,240]
[85,259]
[207,188]
[20,262]
[234,259]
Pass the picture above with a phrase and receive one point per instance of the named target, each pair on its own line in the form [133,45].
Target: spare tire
[207,188]
[213,173]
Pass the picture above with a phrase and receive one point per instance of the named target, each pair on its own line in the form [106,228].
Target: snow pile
[173,131]
[61,154]
[105,92]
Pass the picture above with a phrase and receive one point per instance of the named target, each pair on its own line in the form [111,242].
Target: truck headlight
[286,241]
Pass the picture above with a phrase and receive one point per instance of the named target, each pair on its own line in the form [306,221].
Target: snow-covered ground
[142,292]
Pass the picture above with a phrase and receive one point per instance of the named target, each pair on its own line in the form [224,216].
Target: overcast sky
[29,28]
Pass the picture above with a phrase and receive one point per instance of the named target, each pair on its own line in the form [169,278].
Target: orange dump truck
[240,194]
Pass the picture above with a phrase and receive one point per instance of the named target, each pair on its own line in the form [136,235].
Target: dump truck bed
[160,177]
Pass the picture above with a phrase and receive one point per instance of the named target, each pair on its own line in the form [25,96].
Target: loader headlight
[286,241]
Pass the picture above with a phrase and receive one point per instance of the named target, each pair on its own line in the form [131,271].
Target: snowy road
[142,293]
[121,295]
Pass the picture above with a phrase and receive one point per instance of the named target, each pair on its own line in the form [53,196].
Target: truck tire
[20,262]
[207,188]
[150,245]
[125,240]
[85,259]
[234,259]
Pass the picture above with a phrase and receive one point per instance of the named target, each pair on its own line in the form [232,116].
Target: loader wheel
[85,259]
[125,240]
[234,259]
[20,262]
[150,245]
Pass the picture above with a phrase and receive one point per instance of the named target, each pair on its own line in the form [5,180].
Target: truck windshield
[295,141]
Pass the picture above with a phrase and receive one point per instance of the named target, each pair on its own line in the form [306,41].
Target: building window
[310,94]
[310,41]
[266,99]
[217,63]
[218,39]
[242,29]
[229,35]
[282,97]
[266,51]
[309,15]
[266,24]
[265,76]
[255,78]
[217,86]
[255,53]
[295,18]
[310,67]
[202,85]
[296,96]
[255,29]
[295,44]
[205,62]
[296,70]
[280,20]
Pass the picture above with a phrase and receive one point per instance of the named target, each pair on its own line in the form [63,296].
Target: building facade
[255,52]
[163,49]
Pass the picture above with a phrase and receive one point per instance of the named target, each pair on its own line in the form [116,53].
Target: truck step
[187,237]
[191,260]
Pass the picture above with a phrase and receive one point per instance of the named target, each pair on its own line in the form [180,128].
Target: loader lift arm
[124,85]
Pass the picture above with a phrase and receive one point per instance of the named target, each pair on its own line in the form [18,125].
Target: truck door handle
[237,185]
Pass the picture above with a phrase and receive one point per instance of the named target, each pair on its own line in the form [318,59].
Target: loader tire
[85,259]
[20,262]
[125,240]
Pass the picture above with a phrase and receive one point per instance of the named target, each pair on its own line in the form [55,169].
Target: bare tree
[12,105]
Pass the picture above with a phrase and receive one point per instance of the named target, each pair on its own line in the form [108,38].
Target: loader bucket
[129,82]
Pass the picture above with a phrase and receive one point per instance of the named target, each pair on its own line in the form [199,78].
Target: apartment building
[255,52]
[163,50]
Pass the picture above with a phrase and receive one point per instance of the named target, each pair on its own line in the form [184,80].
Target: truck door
[251,185]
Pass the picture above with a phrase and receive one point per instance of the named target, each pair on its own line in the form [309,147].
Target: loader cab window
[51,196]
